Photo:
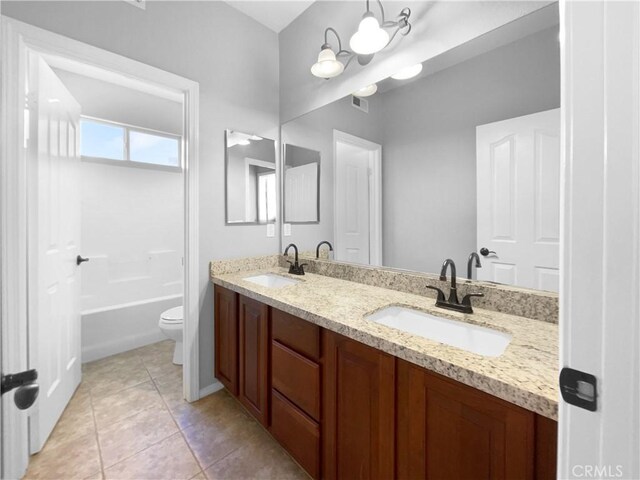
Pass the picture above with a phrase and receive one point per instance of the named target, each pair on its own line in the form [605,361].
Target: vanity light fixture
[366,91]
[371,37]
[408,72]
[328,66]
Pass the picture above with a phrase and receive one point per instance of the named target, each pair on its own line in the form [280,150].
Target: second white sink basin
[271,280]
[473,338]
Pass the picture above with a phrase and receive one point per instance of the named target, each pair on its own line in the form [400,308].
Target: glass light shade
[369,38]
[407,73]
[327,66]
[366,91]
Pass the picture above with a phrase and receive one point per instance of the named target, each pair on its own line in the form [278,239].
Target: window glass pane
[101,140]
[149,148]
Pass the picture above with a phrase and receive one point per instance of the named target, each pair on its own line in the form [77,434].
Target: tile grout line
[151,380]
[202,469]
[95,427]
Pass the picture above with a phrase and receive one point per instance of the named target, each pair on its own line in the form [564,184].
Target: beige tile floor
[127,420]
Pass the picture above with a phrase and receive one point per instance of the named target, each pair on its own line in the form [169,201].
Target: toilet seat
[172,316]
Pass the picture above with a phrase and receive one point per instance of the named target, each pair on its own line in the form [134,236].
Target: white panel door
[301,193]
[352,209]
[518,200]
[54,238]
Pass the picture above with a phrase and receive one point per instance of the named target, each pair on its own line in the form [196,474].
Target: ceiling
[273,14]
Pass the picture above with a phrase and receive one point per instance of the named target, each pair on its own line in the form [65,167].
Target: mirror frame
[283,170]
[226,186]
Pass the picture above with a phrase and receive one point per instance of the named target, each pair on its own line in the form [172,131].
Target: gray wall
[315,131]
[427,132]
[429,146]
[120,104]
[437,27]
[238,90]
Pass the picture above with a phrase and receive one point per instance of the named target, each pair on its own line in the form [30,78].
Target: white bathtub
[116,329]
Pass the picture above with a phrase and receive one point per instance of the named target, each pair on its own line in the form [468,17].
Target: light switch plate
[287,229]
[271,230]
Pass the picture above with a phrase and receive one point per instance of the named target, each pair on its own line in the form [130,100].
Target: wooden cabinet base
[253,386]
[345,410]
[449,430]
[298,433]
[358,410]
[226,337]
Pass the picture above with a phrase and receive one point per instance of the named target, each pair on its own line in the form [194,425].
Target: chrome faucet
[472,255]
[324,242]
[294,267]
[452,303]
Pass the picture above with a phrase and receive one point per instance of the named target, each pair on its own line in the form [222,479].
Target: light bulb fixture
[371,37]
[366,91]
[327,65]
[408,72]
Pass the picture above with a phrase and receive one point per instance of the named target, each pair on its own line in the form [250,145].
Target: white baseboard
[209,389]
[124,344]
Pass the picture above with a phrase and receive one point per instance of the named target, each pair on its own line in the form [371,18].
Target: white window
[105,141]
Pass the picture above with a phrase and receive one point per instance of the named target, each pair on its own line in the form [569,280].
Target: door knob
[27,388]
[80,260]
[26,396]
[484,251]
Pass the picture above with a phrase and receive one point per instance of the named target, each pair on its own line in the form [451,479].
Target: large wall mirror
[462,158]
[250,179]
[301,185]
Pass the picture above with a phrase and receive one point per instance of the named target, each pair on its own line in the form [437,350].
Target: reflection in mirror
[250,181]
[462,158]
[301,181]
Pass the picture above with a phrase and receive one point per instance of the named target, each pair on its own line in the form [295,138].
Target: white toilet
[171,325]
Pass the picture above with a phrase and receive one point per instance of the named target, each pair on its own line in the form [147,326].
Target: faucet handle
[466,300]
[441,297]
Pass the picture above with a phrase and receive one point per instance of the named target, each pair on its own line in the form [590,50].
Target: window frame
[126,161]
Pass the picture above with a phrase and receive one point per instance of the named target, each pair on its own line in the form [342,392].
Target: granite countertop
[526,374]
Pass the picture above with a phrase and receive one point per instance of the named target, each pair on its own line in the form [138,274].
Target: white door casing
[18,39]
[357,199]
[600,250]
[518,200]
[54,243]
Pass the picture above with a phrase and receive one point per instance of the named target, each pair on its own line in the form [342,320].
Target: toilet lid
[173,315]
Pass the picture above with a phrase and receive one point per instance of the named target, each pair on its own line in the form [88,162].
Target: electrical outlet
[287,229]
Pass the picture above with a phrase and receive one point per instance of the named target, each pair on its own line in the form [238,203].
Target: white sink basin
[271,280]
[473,338]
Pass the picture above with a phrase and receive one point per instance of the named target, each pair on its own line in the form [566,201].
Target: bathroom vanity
[349,397]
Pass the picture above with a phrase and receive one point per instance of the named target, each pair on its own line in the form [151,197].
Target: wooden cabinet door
[449,430]
[226,337]
[253,388]
[358,410]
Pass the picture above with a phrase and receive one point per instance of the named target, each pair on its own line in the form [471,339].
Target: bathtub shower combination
[135,243]
[131,304]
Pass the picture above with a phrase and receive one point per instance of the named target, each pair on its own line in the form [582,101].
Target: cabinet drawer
[296,432]
[297,334]
[297,378]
